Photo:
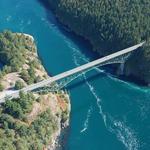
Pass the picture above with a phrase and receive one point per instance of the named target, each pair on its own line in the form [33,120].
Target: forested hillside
[13,49]
[111,25]
[16,133]
[33,121]
[20,63]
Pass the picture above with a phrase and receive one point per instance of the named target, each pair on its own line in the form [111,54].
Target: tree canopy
[16,133]
[13,49]
[18,54]
[111,26]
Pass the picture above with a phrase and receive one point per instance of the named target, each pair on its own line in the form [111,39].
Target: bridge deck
[75,70]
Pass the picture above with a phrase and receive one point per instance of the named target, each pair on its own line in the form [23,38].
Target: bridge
[99,62]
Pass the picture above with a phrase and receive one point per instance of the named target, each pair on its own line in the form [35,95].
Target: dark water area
[86,47]
[83,44]
[107,113]
[1,65]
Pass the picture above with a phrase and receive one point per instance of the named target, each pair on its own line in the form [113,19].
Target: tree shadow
[83,44]
[1,65]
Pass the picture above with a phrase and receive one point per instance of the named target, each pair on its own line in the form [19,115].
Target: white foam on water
[85,126]
[129,85]
[22,25]
[79,55]
[89,85]
[97,98]
[8,18]
[28,22]
[124,134]
[52,26]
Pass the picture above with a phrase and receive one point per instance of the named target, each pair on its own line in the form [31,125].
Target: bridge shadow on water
[80,81]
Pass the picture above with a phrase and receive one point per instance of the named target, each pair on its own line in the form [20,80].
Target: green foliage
[14,53]
[26,102]
[1,74]
[15,132]
[19,85]
[6,69]
[34,64]
[6,142]
[21,144]
[65,115]
[1,87]
[17,135]
[32,75]
[13,108]
[29,75]
[19,106]
[110,25]
[12,50]
[6,121]
[24,75]
[45,125]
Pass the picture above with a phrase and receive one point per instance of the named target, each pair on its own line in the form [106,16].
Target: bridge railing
[98,62]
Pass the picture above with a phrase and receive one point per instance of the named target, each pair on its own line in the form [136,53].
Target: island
[35,120]
[110,26]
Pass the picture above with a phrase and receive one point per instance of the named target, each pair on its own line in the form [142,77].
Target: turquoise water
[107,113]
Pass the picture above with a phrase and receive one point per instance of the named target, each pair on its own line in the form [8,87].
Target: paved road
[73,71]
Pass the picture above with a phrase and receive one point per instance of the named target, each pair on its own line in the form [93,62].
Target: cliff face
[138,65]
[33,120]
[110,26]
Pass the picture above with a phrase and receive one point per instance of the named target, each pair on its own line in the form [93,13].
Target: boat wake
[86,121]
[124,134]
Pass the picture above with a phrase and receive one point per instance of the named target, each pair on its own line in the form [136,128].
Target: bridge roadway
[73,71]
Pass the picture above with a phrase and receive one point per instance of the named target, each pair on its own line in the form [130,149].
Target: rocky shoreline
[58,137]
[58,102]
